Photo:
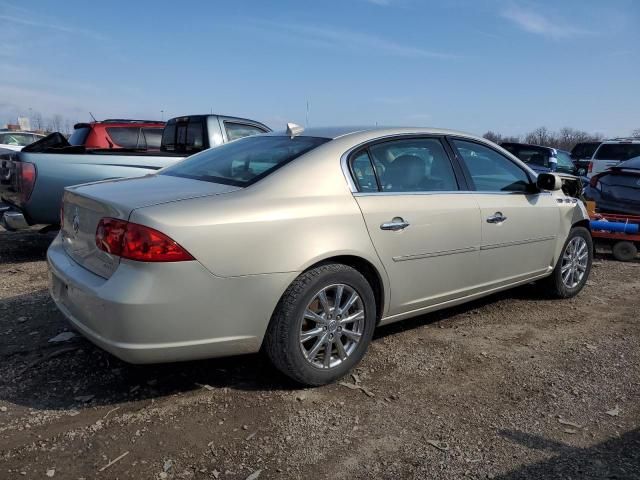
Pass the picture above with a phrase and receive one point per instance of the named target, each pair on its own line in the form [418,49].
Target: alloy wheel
[332,326]
[574,262]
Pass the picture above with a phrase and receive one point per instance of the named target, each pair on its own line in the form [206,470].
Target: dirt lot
[514,386]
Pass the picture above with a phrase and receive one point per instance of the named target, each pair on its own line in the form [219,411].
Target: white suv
[611,152]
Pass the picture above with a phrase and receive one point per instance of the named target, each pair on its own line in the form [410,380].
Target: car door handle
[497,217]
[398,223]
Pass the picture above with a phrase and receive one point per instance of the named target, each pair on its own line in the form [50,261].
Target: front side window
[491,171]
[245,161]
[413,165]
[240,130]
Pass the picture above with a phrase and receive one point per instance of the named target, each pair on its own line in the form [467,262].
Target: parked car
[39,173]
[16,140]
[616,190]
[118,133]
[581,154]
[542,159]
[611,152]
[301,243]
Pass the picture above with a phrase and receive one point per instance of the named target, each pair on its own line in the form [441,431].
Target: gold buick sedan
[301,243]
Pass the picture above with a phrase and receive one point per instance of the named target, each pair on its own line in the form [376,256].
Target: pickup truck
[33,182]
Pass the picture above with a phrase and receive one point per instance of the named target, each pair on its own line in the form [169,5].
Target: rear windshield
[79,136]
[584,150]
[244,161]
[618,151]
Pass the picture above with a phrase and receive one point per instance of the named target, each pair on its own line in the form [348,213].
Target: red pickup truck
[117,133]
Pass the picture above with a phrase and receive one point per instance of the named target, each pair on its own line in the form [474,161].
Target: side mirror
[549,181]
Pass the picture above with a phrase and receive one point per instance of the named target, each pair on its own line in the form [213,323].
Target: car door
[426,233]
[519,223]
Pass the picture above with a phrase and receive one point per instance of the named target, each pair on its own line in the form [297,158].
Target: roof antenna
[94,118]
[306,121]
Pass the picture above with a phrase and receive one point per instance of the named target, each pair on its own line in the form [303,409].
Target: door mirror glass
[549,181]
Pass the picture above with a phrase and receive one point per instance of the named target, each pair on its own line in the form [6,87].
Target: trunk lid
[85,205]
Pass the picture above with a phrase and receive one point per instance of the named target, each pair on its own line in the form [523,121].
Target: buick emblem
[76,223]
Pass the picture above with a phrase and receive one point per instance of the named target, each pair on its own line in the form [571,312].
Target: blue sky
[472,65]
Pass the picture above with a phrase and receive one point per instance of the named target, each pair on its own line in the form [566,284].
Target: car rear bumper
[13,220]
[164,312]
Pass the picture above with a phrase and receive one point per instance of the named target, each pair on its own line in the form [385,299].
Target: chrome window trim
[346,171]
[443,192]
[344,159]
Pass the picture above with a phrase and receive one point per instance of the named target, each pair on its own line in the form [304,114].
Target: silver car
[302,243]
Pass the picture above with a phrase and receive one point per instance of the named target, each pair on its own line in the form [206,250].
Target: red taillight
[590,168]
[137,242]
[26,173]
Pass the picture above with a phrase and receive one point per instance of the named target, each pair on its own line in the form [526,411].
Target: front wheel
[573,267]
[322,325]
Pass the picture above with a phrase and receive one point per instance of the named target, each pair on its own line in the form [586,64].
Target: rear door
[424,230]
[519,225]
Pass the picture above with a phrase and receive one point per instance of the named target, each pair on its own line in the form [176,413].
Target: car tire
[624,251]
[293,320]
[556,285]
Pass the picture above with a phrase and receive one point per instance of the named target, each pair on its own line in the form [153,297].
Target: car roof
[333,133]
[621,140]
[631,164]
[529,145]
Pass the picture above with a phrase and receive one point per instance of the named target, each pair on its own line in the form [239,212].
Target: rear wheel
[624,251]
[573,267]
[322,325]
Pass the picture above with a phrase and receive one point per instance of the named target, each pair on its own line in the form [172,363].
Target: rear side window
[618,151]
[363,173]
[584,150]
[240,130]
[153,137]
[245,161]
[491,171]
[184,136]
[413,165]
[127,137]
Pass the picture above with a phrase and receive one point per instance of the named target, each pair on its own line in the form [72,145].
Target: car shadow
[615,458]
[25,246]
[39,374]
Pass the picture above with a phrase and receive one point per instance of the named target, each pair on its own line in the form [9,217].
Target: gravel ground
[513,386]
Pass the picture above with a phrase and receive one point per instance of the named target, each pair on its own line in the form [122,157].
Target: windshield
[245,161]
[565,163]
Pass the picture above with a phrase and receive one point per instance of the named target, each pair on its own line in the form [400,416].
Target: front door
[426,233]
[519,224]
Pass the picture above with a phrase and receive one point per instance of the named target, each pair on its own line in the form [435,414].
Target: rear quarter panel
[300,215]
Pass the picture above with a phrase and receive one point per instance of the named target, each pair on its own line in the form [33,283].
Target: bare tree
[636,133]
[37,121]
[57,122]
[540,136]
